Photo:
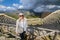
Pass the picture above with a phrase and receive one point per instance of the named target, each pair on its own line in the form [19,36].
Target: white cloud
[15,5]
[50,6]
[10,8]
[1,6]
[58,6]
[18,6]
[21,7]
[39,9]
[4,8]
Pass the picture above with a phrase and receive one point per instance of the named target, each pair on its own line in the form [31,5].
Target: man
[21,26]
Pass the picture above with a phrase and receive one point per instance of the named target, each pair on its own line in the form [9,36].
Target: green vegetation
[27,15]
[12,15]
[31,16]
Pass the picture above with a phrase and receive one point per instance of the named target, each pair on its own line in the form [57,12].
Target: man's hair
[21,14]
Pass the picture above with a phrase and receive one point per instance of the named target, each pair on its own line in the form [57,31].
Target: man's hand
[17,34]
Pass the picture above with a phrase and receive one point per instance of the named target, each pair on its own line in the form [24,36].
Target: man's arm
[16,26]
[25,25]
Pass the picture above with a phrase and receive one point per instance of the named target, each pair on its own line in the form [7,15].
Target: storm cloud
[41,5]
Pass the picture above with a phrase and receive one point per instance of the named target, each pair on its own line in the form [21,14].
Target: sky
[35,5]
[10,4]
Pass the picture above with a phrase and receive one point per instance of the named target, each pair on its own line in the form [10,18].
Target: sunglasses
[21,16]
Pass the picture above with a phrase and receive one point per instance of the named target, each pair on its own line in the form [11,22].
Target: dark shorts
[23,35]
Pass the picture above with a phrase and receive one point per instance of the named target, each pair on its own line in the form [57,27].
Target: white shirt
[21,25]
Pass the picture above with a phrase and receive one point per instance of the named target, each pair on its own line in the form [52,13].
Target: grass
[12,15]
[16,16]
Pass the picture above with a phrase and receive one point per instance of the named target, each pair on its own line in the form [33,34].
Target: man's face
[21,16]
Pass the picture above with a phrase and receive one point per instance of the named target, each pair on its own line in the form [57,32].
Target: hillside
[52,21]
[48,30]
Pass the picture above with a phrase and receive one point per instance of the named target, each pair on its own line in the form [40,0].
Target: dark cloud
[41,5]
